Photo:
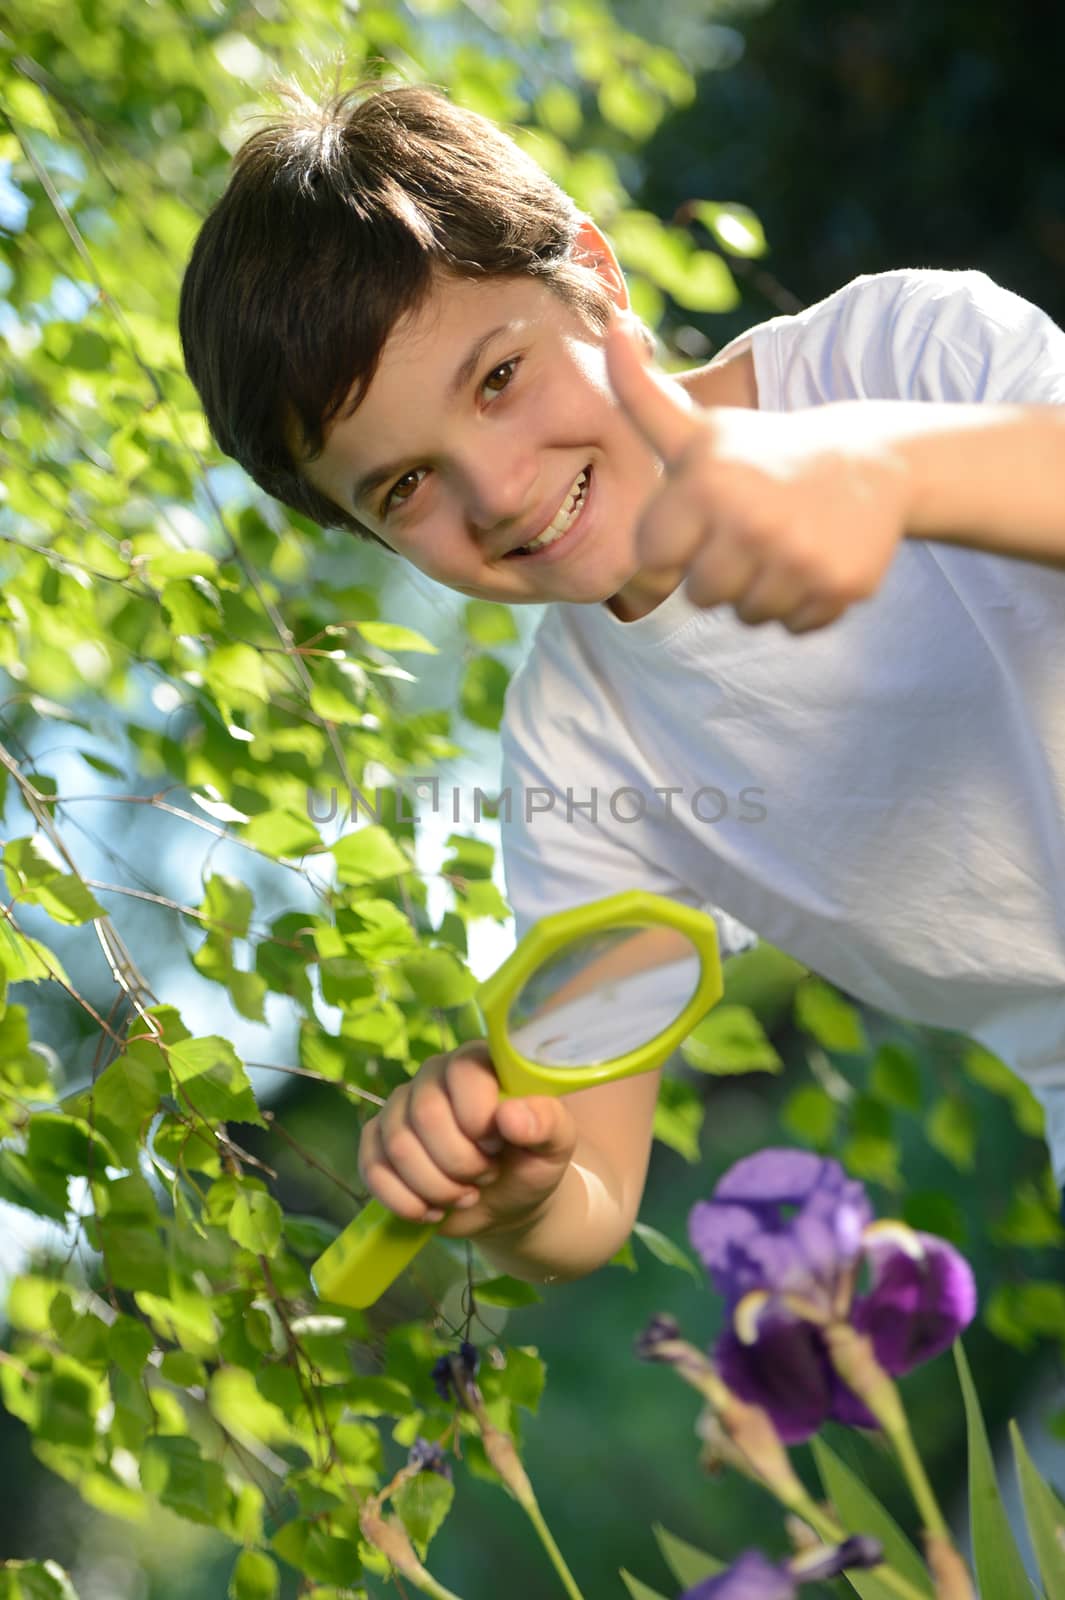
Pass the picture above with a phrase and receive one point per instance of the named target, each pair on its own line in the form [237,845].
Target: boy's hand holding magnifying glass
[449,1141]
[590,995]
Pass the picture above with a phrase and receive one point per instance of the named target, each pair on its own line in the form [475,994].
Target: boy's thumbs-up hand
[788,516]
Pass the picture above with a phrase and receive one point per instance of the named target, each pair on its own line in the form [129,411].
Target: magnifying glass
[596,993]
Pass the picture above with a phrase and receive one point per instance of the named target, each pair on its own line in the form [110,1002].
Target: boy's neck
[728,381]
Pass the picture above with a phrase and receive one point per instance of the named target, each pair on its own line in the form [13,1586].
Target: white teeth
[563,518]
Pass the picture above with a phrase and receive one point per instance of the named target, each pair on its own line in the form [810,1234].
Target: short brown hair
[336,221]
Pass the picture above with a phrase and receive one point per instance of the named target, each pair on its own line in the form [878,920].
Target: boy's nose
[500,490]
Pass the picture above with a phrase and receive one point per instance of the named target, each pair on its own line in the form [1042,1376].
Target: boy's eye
[395,494]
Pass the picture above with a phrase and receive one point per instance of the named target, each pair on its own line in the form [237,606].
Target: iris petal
[750,1577]
[918,1303]
[783,1220]
[786,1372]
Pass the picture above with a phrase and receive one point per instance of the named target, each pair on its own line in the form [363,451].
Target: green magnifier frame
[370,1253]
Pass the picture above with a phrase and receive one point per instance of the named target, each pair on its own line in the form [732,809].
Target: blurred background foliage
[169,638]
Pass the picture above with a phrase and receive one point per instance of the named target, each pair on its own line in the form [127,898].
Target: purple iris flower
[753,1577]
[784,1237]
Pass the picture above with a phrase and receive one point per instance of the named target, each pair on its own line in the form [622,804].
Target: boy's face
[489,406]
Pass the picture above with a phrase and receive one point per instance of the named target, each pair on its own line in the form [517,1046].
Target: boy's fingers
[659,408]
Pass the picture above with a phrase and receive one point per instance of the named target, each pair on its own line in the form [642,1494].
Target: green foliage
[999,1569]
[34,1580]
[208,662]
[688,1564]
[218,668]
[859,1510]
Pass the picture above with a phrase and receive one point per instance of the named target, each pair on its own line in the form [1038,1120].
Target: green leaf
[254,1577]
[311,1550]
[391,636]
[833,1021]
[282,833]
[229,902]
[811,1114]
[664,1250]
[951,1129]
[505,1291]
[213,1080]
[735,227]
[34,1580]
[1045,1516]
[30,862]
[174,1470]
[422,1504]
[130,1343]
[625,1257]
[376,1397]
[369,855]
[37,1189]
[26,960]
[489,624]
[255,1221]
[860,1511]
[67,1404]
[167,564]
[1031,1221]
[728,1041]
[439,979]
[679,1117]
[234,674]
[66,899]
[470,858]
[896,1077]
[688,1564]
[484,684]
[999,1568]
[637,1589]
[1021,1313]
[992,1074]
[68,1144]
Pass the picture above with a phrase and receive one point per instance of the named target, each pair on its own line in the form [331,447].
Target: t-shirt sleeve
[913,335]
[557,852]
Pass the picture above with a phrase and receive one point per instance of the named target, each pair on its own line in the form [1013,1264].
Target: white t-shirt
[883,798]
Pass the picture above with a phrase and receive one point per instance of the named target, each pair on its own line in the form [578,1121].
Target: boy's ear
[592,249]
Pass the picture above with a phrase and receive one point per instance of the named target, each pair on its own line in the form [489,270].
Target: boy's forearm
[988,476]
[581,1227]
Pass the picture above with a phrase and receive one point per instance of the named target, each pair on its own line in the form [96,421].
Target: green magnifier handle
[368,1256]
[371,1252]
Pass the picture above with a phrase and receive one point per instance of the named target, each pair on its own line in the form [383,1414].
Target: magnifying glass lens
[603,995]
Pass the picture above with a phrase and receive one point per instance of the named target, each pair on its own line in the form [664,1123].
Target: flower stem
[557,1559]
[390,1537]
[750,1442]
[500,1449]
[913,1469]
[853,1358]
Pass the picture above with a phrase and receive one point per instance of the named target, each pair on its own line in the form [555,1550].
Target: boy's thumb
[539,1123]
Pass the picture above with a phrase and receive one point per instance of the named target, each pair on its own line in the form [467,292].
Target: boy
[399,325]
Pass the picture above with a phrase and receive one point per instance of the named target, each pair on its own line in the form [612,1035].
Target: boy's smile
[490,426]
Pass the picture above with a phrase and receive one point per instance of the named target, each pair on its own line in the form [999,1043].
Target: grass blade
[638,1590]
[1045,1519]
[861,1512]
[999,1569]
[688,1564]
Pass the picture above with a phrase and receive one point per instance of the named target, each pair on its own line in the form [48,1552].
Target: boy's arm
[991,477]
[590,1215]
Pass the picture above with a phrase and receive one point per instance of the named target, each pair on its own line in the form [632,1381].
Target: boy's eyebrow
[467,367]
